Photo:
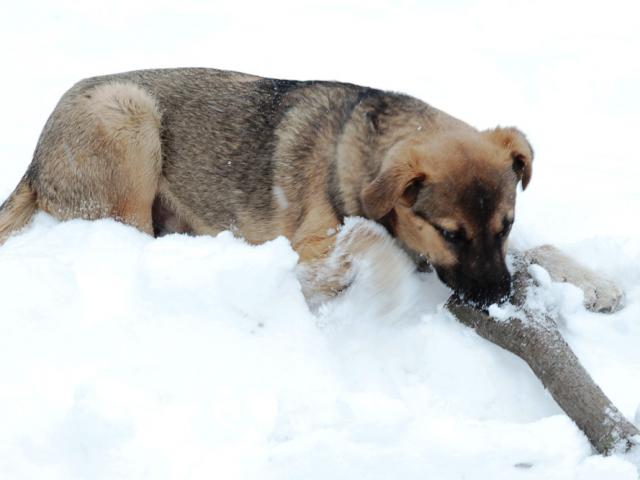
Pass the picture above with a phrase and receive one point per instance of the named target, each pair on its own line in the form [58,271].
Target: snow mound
[123,356]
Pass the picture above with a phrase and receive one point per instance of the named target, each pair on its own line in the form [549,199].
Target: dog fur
[201,151]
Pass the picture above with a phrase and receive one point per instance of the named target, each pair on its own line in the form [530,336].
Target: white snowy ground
[126,357]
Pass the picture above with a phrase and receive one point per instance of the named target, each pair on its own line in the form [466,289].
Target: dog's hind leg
[99,156]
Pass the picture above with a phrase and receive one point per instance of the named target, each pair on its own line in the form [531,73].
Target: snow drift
[124,356]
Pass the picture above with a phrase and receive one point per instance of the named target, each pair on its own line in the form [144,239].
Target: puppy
[201,151]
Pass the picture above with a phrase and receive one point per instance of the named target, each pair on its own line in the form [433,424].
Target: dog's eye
[506,228]
[451,236]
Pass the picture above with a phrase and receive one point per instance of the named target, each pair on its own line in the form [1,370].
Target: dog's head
[450,197]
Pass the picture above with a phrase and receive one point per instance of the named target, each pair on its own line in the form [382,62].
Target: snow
[545,298]
[598,468]
[126,357]
[280,197]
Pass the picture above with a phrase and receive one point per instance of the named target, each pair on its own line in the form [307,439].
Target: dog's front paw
[600,293]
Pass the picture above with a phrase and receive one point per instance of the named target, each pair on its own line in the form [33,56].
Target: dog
[200,151]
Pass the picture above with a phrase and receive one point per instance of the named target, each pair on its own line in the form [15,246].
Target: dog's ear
[519,148]
[399,182]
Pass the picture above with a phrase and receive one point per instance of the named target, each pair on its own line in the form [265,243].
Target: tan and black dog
[201,151]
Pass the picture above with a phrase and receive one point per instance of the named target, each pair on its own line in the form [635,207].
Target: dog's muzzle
[479,290]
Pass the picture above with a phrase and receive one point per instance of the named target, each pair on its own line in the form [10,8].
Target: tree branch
[534,337]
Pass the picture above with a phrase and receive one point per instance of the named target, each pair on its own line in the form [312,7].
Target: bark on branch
[535,338]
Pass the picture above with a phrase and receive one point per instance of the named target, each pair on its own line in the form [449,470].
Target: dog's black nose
[480,288]
[499,294]
[485,294]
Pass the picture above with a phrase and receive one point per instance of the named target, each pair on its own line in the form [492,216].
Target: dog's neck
[353,163]
[366,140]
[375,126]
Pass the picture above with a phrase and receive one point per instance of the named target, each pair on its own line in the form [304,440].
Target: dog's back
[218,149]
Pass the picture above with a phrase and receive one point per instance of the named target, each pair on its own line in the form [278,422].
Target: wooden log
[534,337]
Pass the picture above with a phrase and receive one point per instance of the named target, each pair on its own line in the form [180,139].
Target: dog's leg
[99,156]
[360,247]
[600,293]
[325,275]
[322,272]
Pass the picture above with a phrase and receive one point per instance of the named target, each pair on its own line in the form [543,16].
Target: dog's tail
[17,210]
